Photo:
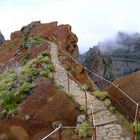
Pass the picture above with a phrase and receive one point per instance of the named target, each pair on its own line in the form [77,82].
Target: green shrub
[138,127]
[29,74]
[112,109]
[45,53]
[46,60]
[2,87]
[26,55]
[7,80]
[32,41]
[20,96]
[100,94]
[25,88]
[50,67]
[82,108]
[8,77]
[71,96]
[44,73]
[58,86]
[107,102]
[83,130]
[9,49]
[9,102]
[68,68]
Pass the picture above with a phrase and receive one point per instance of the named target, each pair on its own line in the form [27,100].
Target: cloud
[91,20]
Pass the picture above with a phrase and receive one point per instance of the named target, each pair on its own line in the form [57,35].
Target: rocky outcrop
[17,34]
[2,40]
[100,64]
[26,30]
[60,34]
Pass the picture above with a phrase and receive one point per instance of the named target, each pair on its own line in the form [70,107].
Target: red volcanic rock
[39,111]
[61,35]
[9,48]
[17,34]
[33,52]
[67,40]
[130,85]
[78,72]
[43,30]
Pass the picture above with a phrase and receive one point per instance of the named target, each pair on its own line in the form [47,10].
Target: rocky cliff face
[117,59]
[100,64]
[1,39]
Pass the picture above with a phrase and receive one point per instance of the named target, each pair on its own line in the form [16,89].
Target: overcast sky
[91,20]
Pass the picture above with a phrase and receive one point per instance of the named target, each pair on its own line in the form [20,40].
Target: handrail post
[134,132]
[60,134]
[86,104]
[137,118]
[68,82]
[94,133]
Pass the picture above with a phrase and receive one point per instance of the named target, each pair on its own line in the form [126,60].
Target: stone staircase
[106,122]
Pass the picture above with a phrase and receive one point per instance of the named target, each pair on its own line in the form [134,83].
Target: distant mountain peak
[2,40]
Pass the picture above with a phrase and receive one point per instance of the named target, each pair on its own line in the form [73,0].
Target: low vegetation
[26,55]
[84,130]
[82,108]
[32,41]
[68,68]
[107,103]
[101,95]
[16,84]
[58,87]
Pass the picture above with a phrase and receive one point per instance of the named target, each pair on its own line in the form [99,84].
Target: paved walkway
[106,122]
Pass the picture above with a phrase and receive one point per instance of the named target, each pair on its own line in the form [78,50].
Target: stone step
[97,110]
[105,121]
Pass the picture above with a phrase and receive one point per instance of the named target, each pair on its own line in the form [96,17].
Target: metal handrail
[64,127]
[88,99]
[51,133]
[93,119]
[137,105]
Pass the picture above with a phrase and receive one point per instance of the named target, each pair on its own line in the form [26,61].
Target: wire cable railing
[59,129]
[87,101]
[87,104]
[135,124]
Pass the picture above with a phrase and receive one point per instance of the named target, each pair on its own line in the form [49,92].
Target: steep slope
[130,85]
[106,122]
[100,64]
[30,102]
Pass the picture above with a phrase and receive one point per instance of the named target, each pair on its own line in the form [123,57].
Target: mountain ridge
[120,57]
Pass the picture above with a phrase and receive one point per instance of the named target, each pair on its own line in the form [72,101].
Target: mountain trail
[107,124]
